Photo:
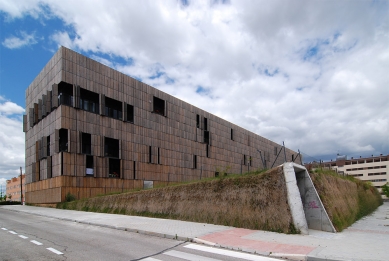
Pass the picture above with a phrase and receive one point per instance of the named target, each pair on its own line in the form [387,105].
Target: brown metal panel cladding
[44,147]
[35,113]
[37,147]
[31,117]
[49,168]
[56,141]
[48,102]
[33,170]
[54,96]
[39,109]
[79,143]
[102,104]
[43,105]
[124,110]
[37,171]
[24,123]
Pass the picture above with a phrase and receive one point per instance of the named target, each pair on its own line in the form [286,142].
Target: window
[89,101]
[113,108]
[159,106]
[232,134]
[275,151]
[63,140]
[197,121]
[205,124]
[206,137]
[195,161]
[65,94]
[111,148]
[89,165]
[114,168]
[130,113]
[159,156]
[244,160]
[150,157]
[48,146]
[207,150]
[86,146]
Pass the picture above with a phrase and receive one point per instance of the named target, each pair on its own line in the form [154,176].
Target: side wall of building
[181,143]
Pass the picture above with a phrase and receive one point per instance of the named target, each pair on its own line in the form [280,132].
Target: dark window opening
[195,161]
[244,160]
[89,101]
[150,154]
[275,151]
[232,134]
[134,170]
[63,140]
[292,157]
[206,137]
[114,168]
[130,113]
[205,124]
[197,121]
[207,151]
[65,94]
[89,165]
[159,106]
[250,161]
[48,146]
[113,108]
[86,147]
[111,148]
[159,156]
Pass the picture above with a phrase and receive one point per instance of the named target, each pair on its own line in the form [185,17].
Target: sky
[313,74]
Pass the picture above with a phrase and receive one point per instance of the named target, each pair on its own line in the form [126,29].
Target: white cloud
[11,139]
[25,39]
[313,74]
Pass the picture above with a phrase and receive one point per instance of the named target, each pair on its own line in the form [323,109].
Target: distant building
[13,188]
[92,130]
[374,169]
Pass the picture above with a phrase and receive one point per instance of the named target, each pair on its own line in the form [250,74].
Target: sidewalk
[367,239]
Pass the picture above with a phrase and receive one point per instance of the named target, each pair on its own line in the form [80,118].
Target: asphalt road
[31,237]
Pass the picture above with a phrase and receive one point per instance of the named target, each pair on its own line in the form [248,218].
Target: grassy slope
[346,199]
[255,201]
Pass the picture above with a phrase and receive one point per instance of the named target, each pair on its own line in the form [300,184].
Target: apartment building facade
[374,169]
[92,130]
[13,188]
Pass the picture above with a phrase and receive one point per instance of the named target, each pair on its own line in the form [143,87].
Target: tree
[9,197]
[385,189]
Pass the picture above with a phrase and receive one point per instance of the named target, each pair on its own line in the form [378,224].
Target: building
[13,188]
[92,130]
[374,169]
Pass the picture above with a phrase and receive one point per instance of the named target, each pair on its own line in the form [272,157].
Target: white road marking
[13,232]
[150,259]
[3,228]
[229,253]
[187,256]
[24,237]
[54,251]
[36,242]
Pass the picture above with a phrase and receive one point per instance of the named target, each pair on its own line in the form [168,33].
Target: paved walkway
[367,239]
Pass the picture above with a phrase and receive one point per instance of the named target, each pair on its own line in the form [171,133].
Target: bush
[70,197]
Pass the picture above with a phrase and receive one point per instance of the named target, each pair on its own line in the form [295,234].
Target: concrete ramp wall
[307,209]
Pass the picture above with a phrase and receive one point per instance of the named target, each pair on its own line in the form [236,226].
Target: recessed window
[207,150]
[159,106]
[232,134]
[86,143]
[159,156]
[63,140]
[150,155]
[195,161]
[113,108]
[206,137]
[275,151]
[197,121]
[114,168]
[111,148]
[130,113]
[89,101]
[89,165]
[65,94]
[48,146]
[205,124]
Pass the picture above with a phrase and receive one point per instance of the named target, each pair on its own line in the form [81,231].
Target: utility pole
[21,186]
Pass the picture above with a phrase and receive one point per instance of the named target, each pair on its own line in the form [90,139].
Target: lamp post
[21,186]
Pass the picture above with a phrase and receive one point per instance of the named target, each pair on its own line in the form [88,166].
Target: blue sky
[310,73]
